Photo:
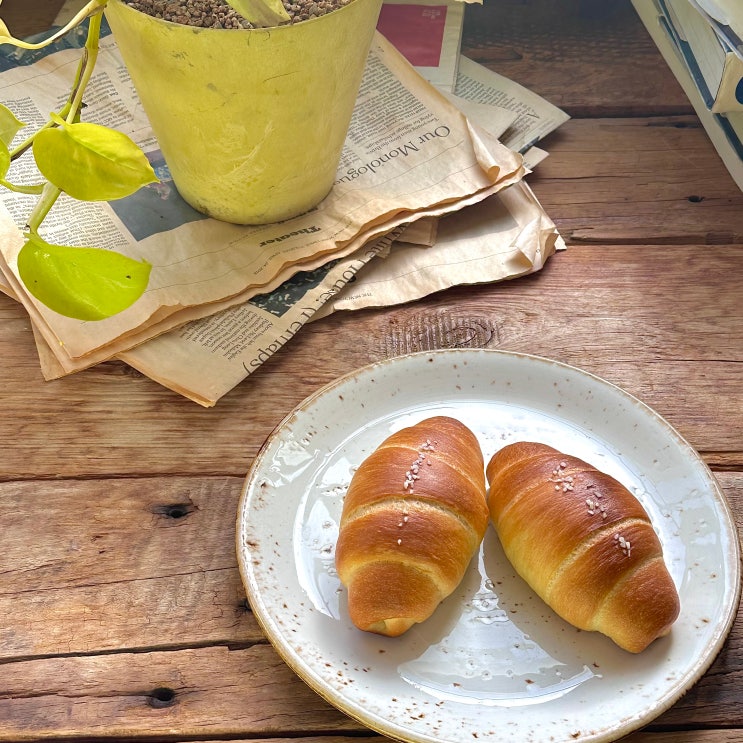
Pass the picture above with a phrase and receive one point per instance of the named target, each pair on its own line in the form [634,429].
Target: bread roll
[413,517]
[583,543]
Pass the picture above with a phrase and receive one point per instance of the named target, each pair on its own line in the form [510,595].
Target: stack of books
[702,43]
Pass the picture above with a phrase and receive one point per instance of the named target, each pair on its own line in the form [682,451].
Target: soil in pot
[218,14]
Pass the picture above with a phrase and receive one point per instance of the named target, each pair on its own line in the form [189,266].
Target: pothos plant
[88,162]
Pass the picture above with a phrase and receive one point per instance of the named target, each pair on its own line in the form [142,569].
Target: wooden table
[122,614]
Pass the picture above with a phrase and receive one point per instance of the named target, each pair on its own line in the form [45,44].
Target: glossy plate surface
[494,663]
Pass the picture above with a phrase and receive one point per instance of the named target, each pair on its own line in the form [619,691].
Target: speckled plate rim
[267,618]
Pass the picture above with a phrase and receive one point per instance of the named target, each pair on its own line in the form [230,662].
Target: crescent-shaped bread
[413,517]
[583,542]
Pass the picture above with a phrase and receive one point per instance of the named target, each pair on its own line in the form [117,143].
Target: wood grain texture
[25,17]
[121,564]
[677,344]
[646,736]
[122,612]
[215,691]
[649,736]
[641,180]
[686,736]
[602,63]
[112,568]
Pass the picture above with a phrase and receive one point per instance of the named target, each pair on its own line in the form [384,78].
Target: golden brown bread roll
[583,543]
[413,517]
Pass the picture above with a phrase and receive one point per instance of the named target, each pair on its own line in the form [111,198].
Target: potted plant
[250,121]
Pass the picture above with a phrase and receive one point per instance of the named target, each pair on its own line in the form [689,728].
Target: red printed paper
[417,31]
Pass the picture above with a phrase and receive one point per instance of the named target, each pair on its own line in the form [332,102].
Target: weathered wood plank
[708,703]
[215,691]
[676,343]
[219,692]
[687,736]
[644,180]
[601,63]
[646,736]
[371,738]
[652,338]
[123,565]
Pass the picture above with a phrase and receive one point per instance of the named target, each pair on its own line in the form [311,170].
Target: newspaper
[534,116]
[214,348]
[408,152]
[503,237]
[208,357]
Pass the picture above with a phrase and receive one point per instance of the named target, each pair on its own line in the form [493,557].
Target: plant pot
[250,122]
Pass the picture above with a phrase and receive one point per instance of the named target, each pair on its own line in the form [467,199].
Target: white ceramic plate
[493,663]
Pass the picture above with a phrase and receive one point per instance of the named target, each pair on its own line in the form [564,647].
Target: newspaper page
[207,357]
[535,116]
[5,287]
[520,235]
[486,241]
[420,232]
[189,314]
[407,149]
[503,237]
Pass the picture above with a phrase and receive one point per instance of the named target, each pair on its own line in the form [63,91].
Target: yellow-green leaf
[91,162]
[82,283]
[264,13]
[9,125]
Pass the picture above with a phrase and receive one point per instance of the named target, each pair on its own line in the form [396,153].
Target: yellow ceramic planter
[250,122]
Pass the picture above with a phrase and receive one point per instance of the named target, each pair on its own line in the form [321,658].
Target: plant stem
[70,112]
[46,201]
[34,189]
[85,70]
[83,73]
